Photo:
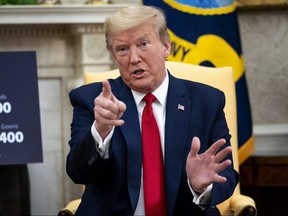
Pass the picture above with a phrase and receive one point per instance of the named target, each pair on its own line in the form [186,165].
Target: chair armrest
[243,205]
[70,209]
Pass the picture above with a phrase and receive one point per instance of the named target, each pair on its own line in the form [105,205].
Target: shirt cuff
[102,146]
[202,199]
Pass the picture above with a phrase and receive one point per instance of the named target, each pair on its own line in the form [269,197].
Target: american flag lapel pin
[181,107]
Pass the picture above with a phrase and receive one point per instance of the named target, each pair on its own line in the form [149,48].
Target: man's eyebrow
[120,45]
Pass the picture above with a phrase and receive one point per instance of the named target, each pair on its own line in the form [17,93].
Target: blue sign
[20,129]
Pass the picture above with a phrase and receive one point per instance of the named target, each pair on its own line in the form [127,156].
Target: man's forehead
[131,38]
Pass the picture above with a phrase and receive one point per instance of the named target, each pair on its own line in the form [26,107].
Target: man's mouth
[139,71]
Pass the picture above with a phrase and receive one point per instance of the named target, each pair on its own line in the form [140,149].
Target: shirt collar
[160,93]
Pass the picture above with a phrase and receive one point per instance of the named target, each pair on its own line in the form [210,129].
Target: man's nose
[134,57]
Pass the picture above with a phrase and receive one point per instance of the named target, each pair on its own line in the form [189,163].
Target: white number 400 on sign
[11,137]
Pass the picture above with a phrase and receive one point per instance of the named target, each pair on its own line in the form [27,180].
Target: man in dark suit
[106,152]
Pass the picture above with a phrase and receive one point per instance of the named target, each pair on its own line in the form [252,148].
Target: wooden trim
[265,172]
[262,4]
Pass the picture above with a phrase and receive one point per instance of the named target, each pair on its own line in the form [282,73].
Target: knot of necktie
[149,99]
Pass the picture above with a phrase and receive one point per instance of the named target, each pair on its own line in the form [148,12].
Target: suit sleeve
[83,160]
[222,191]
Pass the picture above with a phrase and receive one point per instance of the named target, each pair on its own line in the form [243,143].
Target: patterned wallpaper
[265,46]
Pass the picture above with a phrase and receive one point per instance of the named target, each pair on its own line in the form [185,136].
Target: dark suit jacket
[113,185]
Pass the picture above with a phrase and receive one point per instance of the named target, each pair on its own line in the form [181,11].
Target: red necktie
[153,171]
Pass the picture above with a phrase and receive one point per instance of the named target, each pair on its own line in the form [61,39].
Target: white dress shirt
[159,110]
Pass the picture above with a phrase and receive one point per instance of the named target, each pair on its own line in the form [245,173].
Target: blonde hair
[133,16]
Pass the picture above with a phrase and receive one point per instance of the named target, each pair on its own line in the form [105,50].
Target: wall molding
[32,30]
[79,29]
[271,140]
[57,14]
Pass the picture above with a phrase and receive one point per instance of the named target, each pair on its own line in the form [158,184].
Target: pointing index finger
[106,89]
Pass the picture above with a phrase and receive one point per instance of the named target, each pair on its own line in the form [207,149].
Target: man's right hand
[107,111]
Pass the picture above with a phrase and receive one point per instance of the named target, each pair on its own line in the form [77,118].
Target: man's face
[140,57]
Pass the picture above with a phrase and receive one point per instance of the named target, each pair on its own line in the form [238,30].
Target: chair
[221,78]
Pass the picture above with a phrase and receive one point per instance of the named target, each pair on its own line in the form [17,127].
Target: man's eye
[144,45]
[122,51]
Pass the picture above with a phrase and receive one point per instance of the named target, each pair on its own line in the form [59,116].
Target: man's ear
[167,48]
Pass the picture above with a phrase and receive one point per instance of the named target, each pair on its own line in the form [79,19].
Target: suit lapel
[176,127]
[177,120]
[132,135]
